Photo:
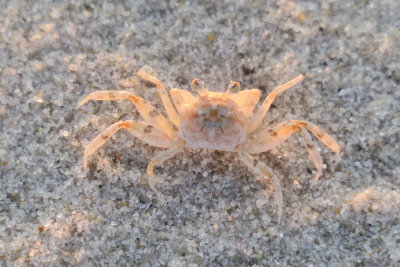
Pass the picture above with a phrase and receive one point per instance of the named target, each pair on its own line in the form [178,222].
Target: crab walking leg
[140,130]
[259,115]
[158,159]
[259,168]
[313,153]
[146,110]
[169,108]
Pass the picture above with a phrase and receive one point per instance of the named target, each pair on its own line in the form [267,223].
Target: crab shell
[213,122]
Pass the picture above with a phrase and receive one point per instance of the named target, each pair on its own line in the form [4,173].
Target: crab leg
[259,168]
[148,112]
[259,115]
[158,159]
[271,137]
[313,153]
[143,131]
[169,108]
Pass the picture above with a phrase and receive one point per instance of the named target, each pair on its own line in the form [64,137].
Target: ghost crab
[211,120]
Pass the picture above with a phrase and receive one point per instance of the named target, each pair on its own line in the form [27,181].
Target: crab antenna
[198,85]
[233,88]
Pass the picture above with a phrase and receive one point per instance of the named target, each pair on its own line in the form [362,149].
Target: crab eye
[197,85]
[233,87]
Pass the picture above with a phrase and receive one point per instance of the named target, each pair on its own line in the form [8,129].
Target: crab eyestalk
[233,88]
[197,85]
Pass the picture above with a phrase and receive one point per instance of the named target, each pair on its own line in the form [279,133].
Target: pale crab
[211,120]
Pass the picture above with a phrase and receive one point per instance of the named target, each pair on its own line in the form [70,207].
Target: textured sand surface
[53,53]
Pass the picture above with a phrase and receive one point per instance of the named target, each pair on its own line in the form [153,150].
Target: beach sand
[216,212]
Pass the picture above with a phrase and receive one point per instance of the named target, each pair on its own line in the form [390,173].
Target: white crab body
[213,122]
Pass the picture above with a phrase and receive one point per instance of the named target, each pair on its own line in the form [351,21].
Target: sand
[216,212]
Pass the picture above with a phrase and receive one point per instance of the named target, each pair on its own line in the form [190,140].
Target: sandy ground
[217,213]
